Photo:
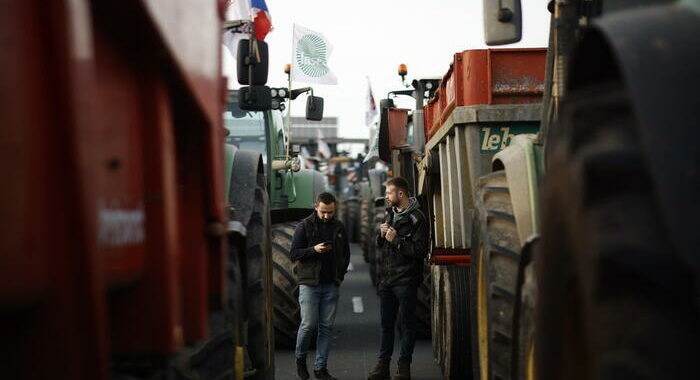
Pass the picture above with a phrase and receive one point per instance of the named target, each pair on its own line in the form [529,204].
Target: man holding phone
[321,254]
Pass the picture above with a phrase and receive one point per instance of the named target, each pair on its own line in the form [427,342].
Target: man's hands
[383,228]
[390,234]
[322,247]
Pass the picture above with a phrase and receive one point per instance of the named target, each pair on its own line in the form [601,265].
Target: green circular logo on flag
[311,55]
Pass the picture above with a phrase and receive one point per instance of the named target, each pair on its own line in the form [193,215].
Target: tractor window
[246,129]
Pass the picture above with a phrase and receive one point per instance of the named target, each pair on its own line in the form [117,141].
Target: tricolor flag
[255,10]
[371,111]
[262,23]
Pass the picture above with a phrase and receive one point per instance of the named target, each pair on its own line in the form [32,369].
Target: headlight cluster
[279,95]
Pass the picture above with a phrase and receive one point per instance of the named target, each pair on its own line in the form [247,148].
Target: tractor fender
[655,52]
[303,187]
[522,166]
[245,169]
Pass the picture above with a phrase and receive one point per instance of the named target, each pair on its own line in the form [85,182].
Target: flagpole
[289,112]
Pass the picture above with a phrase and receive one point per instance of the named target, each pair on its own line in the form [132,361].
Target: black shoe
[403,372]
[380,371]
[302,372]
[323,374]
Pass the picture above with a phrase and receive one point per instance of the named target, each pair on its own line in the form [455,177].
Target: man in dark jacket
[321,254]
[403,243]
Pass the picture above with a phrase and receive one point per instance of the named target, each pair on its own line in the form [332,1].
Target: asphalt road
[356,335]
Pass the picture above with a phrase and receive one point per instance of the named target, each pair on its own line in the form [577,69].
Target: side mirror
[249,70]
[502,21]
[314,108]
[255,98]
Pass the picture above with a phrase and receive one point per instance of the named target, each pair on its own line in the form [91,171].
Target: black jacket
[400,262]
[307,262]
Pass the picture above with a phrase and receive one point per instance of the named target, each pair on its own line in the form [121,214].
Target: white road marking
[350,267]
[357,306]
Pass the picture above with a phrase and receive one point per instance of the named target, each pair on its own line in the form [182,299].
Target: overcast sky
[372,37]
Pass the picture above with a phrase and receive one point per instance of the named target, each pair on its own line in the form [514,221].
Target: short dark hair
[399,183]
[325,197]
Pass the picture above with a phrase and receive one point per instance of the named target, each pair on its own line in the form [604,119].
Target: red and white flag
[371,111]
[323,149]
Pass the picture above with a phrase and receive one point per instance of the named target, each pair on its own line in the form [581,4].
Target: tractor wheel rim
[530,369]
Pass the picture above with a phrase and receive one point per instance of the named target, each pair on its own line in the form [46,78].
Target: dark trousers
[392,300]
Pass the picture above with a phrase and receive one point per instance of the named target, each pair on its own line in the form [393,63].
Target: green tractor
[602,201]
[292,192]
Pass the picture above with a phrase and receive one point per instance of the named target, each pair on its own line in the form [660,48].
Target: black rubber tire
[366,236]
[424,306]
[378,213]
[353,219]
[452,322]
[437,314]
[286,293]
[249,304]
[258,290]
[524,324]
[616,301]
[499,244]
[341,212]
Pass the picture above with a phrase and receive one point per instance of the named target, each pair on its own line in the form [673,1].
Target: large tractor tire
[424,307]
[366,237]
[524,324]
[437,314]
[616,300]
[353,219]
[378,212]
[258,289]
[249,306]
[286,304]
[450,321]
[497,259]
[341,211]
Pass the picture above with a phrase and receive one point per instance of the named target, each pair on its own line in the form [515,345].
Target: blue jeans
[318,305]
[394,299]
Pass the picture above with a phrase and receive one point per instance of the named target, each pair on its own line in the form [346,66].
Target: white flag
[323,147]
[310,54]
[374,144]
[371,111]
[237,10]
